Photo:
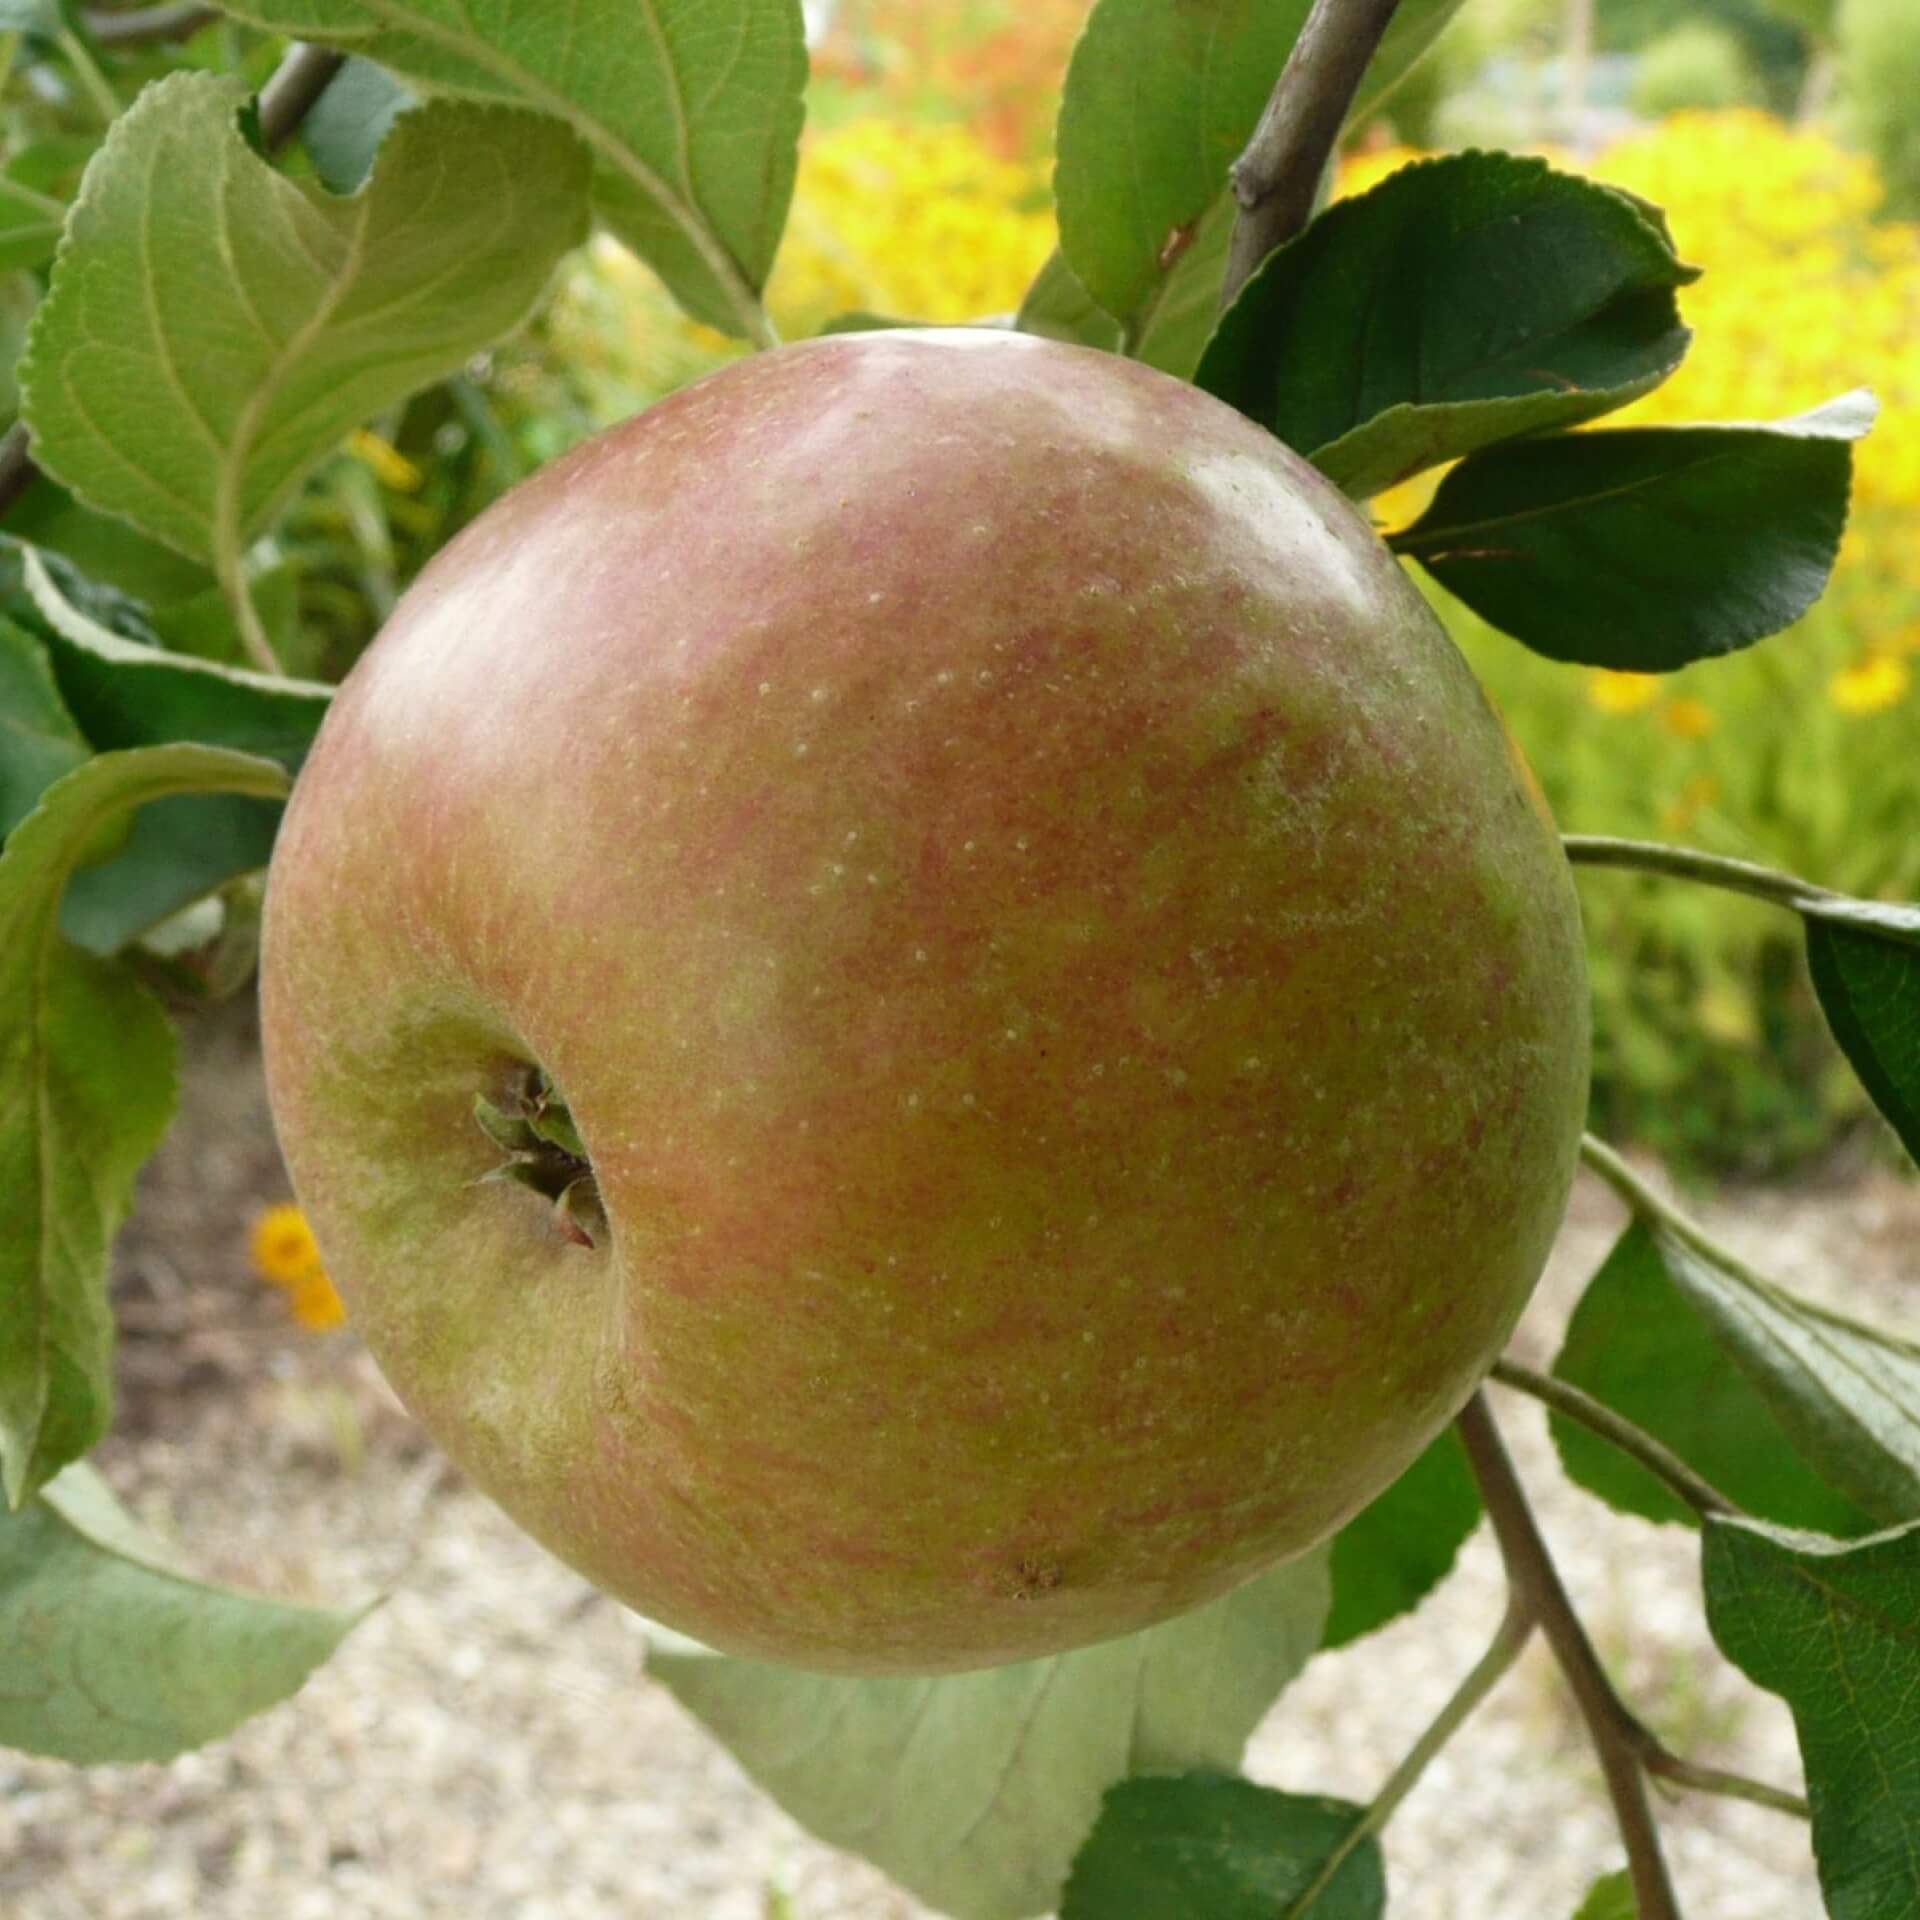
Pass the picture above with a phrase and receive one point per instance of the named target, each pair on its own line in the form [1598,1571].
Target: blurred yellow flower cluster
[284,1253]
[1805,295]
[918,221]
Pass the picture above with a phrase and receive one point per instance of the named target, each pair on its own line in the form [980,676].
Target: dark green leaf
[691,109]
[1388,1558]
[205,627]
[86,1090]
[343,129]
[111,551]
[1642,548]
[1160,97]
[38,740]
[1610,1899]
[1834,1629]
[124,694]
[114,1654]
[1058,307]
[1212,1847]
[1869,989]
[1845,1394]
[1640,1346]
[976,1790]
[175,852]
[1463,301]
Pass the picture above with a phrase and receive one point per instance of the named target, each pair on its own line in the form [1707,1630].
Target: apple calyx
[545,1154]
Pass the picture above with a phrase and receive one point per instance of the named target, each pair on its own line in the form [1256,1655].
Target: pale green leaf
[976,1790]
[1846,1395]
[692,109]
[86,1090]
[113,1653]
[242,323]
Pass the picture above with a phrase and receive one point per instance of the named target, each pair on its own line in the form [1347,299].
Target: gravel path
[487,1745]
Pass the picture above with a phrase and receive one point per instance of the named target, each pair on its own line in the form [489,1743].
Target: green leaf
[125,694]
[114,1654]
[1642,548]
[106,549]
[1845,1394]
[1869,989]
[692,109]
[1640,1346]
[35,187]
[343,130]
[1834,1629]
[245,322]
[86,1090]
[975,1790]
[1389,1557]
[1462,302]
[1610,1899]
[1174,333]
[1058,307]
[1161,95]
[38,740]
[1212,1847]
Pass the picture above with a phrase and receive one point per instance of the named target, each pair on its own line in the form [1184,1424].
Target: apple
[1035,1025]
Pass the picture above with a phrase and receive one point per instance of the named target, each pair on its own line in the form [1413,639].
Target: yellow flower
[282,1246]
[1686,718]
[1612,692]
[390,466]
[284,1252]
[315,1304]
[1870,685]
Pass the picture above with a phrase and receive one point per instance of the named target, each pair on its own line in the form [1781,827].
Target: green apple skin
[1076,1011]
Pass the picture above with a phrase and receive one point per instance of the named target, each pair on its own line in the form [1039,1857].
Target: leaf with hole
[691,108]
[115,1653]
[1160,98]
[975,1790]
[1834,1628]
[1644,548]
[1462,302]
[1204,1846]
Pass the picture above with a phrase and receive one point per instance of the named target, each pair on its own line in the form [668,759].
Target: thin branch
[1689,863]
[298,82]
[1276,178]
[1612,1729]
[1516,1629]
[1732,1786]
[146,26]
[1661,1461]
